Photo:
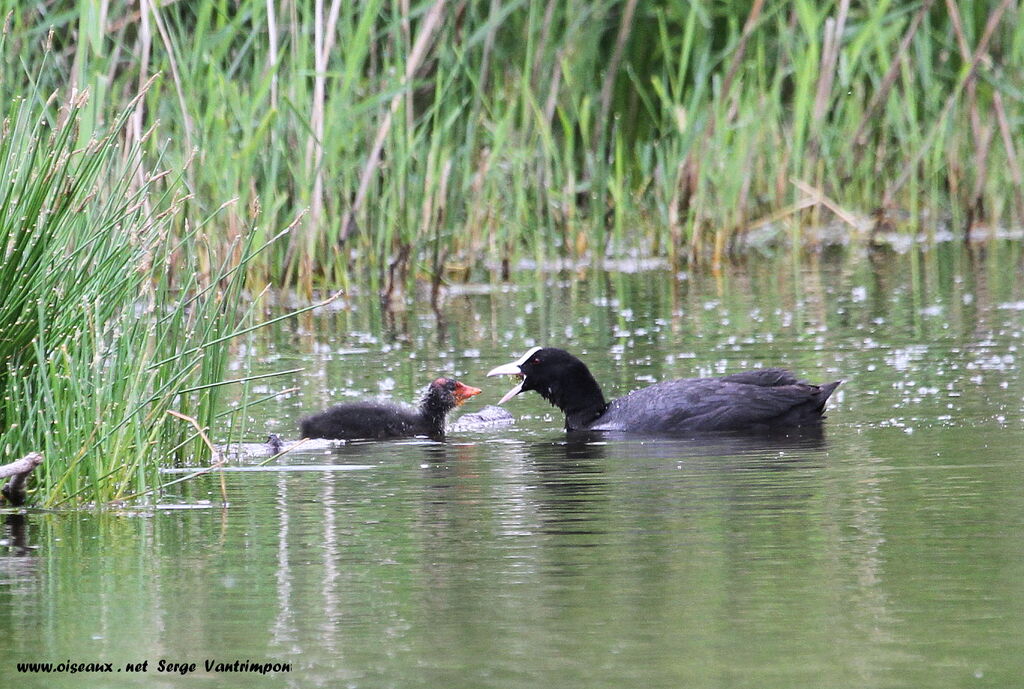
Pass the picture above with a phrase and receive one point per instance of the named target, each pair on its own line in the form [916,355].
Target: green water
[889,552]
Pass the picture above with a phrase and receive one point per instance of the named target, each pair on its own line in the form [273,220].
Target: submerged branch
[19,470]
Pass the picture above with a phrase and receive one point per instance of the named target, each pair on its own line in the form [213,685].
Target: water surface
[886,551]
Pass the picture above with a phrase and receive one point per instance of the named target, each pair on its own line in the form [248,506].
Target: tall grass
[431,136]
[108,319]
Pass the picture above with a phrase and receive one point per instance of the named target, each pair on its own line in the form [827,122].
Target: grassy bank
[427,134]
[109,321]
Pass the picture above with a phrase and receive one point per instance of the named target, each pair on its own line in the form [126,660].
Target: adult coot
[767,399]
[381,420]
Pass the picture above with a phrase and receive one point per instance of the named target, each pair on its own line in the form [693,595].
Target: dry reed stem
[492,31]
[979,51]
[214,452]
[692,162]
[782,213]
[324,33]
[625,26]
[135,133]
[556,83]
[419,50]
[1011,153]
[977,131]
[176,75]
[131,17]
[829,60]
[737,57]
[323,41]
[889,79]
[545,33]
[406,27]
[819,198]
[144,50]
[272,49]
[981,151]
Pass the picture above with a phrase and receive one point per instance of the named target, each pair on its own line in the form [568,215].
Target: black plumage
[381,420]
[767,399]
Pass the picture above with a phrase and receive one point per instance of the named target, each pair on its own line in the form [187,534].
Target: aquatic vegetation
[432,139]
[152,151]
[108,321]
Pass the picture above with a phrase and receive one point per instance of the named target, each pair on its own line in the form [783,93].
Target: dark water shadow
[620,445]
[16,535]
[575,477]
[18,566]
[570,485]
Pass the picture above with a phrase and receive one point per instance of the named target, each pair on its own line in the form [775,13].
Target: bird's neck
[581,418]
[433,412]
[581,400]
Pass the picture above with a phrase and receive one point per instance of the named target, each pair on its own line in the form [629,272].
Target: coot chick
[762,400]
[379,420]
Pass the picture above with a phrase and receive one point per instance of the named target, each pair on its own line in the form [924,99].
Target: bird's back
[363,420]
[762,399]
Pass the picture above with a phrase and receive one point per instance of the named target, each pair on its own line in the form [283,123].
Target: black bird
[379,420]
[762,400]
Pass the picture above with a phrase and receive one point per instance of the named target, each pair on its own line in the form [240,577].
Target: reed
[109,319]
[438,137]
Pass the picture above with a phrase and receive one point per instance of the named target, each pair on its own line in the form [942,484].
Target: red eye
[535,360]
